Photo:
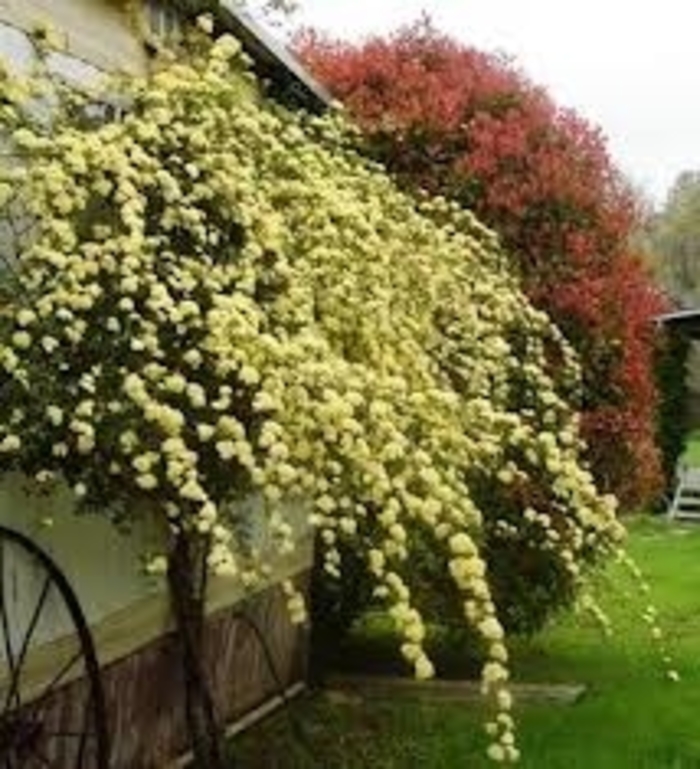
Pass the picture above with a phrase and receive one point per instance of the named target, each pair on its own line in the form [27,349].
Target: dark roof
[288,80]
[685,321]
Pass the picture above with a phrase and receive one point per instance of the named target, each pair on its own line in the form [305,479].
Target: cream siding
[97,31]
[125,607]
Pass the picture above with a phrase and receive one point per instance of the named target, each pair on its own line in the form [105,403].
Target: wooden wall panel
[144,691]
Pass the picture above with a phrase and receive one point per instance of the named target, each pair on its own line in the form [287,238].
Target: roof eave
[685,321]
[274,58]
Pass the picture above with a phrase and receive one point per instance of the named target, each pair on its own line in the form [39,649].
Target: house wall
[132,628]
[149,732]
[104,566]
[107,568]
[127,610]
[97,31]
[144,690]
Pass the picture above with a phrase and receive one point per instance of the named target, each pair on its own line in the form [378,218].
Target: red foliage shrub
[607,317]
[469,125]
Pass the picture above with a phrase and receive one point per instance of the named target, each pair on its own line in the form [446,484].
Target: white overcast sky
[631,68]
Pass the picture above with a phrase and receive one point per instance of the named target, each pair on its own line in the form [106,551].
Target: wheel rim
[51,715]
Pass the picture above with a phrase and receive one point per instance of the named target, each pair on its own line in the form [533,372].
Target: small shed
[685,502]
[686,323]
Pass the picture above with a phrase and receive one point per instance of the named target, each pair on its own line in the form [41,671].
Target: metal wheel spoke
[14,686]
[56,680]
[65,724]
[35,618]
[4,620]
[12,697]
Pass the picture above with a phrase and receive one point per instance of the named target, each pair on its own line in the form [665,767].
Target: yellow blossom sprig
[236,305]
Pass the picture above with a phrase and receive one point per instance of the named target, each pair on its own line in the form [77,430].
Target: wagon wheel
[52,708]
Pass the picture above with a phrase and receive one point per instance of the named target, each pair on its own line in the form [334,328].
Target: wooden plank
[436,690]
[691,476]
[252,657]
[124,631]
[145,692]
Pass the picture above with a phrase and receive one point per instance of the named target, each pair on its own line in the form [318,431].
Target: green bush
[672,416]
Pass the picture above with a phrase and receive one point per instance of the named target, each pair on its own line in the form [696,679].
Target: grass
[691,454]
[631,717]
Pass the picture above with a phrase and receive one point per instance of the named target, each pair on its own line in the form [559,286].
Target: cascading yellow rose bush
[223,299]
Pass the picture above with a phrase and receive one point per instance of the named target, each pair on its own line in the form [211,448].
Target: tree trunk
[187,584]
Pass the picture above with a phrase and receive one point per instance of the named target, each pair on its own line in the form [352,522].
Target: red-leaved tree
[469,125]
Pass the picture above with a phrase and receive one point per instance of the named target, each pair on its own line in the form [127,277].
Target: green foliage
[630,716]
[691,453]
[224,301]
[674,240]
[471,126]
[672,414]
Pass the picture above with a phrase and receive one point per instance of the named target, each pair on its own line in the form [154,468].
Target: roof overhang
[289,80]
[685,321]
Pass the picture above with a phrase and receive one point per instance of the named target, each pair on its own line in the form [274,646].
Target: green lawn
[631,716]
[691,455]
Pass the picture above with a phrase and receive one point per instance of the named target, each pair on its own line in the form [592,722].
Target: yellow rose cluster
[224,299]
